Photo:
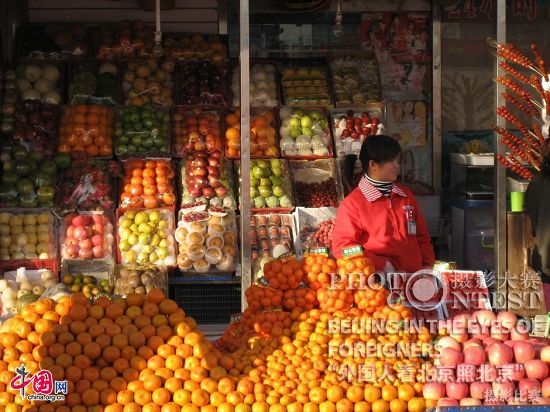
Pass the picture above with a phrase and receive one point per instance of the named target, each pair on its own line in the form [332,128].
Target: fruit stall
[170,176]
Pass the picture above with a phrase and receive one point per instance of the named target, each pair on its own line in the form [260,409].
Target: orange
[416,405]
[389,392]
[161,396]
[398,405]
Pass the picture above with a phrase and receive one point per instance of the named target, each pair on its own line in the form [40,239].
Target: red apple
[70,232]
[479,390]
[447,342]
[98,229]
[71,251]
[85,253]
[456,390]
[528,387]
[98,252]
[523,351]
[447,402]
[79,220]
[503,390]
[98,240]
[536,369]
[546,388]
[545,354]
[470,402]
[500,354]
[450,357]
[474,355]
[507,319]
[433,390]
[85,244]
[80,233]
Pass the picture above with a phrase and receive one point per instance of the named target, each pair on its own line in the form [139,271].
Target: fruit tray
[29,179]
[350,128]
[36,236]
[211,183]
[33,41]
[42,80]
[207,243]
[264,134]
[355,78]
[316,183]
[197,128]
[148,276]
[165,255]
[308,222]
[265,87]
[90,184]
[87,236]
[96,272]
[276,185]
[197,47]
[33,124]
[94,82]
[142,132]
[145,81]
[271,235]
[88,129]
[202,83]
[148,184]
[305,133]
[305,86]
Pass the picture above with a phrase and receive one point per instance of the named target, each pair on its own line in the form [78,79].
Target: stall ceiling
[200,16]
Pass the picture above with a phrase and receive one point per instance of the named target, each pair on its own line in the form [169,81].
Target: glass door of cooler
[472,236]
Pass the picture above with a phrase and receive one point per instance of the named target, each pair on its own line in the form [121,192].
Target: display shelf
[196,279]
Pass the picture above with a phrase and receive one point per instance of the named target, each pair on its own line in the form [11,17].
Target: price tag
[318,251]
[263,281]
[235,317]
[352,251]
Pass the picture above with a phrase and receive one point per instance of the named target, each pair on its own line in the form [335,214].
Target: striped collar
[371,193]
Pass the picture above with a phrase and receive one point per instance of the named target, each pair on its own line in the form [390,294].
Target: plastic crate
[207,303]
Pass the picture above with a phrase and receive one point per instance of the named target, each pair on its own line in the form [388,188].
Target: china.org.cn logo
[44,387]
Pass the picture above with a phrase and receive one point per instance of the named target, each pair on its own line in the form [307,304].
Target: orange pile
[147,184]
[263,297]
[263,135]
[318,269]
[87,129]
[302,299]
[284,274]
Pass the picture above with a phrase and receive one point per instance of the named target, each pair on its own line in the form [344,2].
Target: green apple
[146,228]
[257,172]
[164,243]
[254,181]
[306,121]
[141,217]
[277,171]
[294,123]
[259,202]
[124,233]
[315,115]
[133,239]
[144,238]
[265,191]
[134,228]
[295,132]
[153,257]
[253,192]
[154,216]
[306,131]
[263,163]
[278,191]
[162,252]
[276,180]
[155,240]
[124,246]
[267,171]
[265,182]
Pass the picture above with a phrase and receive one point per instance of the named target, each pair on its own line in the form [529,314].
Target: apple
[457,390]
[200,171]
[478,390]
[98,252]
[213,161]
[221,191]
[500,354]
[80,233]
[208,192]
[97,240]
[85,253]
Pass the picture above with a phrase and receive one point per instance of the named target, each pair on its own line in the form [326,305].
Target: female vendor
[382,216]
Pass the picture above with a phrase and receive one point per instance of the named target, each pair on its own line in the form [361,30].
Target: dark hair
[379,149]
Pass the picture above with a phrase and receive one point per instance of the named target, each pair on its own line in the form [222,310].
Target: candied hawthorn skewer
[540,61]
[520,170]
[514,72]
[519,105]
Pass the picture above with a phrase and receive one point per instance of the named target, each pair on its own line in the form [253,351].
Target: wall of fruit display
[137,159]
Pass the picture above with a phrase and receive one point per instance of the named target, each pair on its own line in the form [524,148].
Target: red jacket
[379,224]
